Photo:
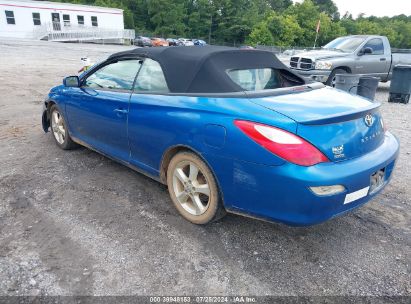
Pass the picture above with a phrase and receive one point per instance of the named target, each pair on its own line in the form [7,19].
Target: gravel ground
[77,223]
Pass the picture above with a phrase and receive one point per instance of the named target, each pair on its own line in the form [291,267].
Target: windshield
[345,44]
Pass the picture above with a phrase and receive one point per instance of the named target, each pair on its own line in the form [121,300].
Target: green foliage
[279,30]
[261,35]
[307,15]
[269,22]
[279,5]
[328,7]
[166,16]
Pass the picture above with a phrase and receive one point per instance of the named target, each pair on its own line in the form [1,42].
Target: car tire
[331,79]
[59,129]
[193,189]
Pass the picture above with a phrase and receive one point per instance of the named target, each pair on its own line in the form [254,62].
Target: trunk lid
[340,125]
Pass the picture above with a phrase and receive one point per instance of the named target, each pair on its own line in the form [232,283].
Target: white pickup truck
[369,55]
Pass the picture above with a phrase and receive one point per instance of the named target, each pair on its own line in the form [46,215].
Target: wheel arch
[48,104]
[343,67]
[170,153]
[333,73]
[45,119]
[174,150]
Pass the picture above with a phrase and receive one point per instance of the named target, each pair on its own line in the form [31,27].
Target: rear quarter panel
[206,125]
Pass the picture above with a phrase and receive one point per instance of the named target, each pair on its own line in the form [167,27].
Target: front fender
[53,97]
[45,117]
[45,121]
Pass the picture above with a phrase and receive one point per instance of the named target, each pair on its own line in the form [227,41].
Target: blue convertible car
[228,130]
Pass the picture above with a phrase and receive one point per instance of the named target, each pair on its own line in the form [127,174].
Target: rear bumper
[281,193]
[316,75]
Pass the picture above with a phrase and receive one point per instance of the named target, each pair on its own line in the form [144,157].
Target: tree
[307,16]
[275,22]
[284,29]
[167,16]
[328,7]
[234,19]
[140,14]
[260,35]
[349,24]
[279,5]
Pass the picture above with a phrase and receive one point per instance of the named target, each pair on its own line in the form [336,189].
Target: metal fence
[402,51]
[56,32]
[288,50]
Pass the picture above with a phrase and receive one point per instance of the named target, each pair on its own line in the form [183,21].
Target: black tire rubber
[68,143]
[330,79]
[215,210]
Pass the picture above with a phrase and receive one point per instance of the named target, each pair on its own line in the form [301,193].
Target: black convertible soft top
[203,69]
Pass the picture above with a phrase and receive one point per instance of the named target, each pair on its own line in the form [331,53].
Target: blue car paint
[281,193]
[312,105]
[159,122]
[344,124]
[252,180]
[96,117]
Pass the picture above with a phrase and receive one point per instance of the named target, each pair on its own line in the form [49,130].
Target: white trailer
[60,21]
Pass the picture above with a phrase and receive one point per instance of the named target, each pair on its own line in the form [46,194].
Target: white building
[60,21]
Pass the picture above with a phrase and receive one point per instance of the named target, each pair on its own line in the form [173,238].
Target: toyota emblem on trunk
[369,120]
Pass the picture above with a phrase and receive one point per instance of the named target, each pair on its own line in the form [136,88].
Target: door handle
[383,59]
[121,111]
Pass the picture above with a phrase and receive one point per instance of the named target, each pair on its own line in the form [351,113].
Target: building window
[66,20]
[80,20]
[94,21]
[10,17]
[36,19]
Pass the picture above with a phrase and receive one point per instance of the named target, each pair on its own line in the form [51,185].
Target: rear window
[256,79]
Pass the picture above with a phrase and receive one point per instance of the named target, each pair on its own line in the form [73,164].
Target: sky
[377,8]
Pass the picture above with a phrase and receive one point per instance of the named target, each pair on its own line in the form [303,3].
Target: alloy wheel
[57,126]
[191,188]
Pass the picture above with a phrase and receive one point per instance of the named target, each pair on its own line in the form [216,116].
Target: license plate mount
[377,180]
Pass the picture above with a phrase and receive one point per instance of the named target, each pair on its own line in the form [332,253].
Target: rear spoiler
[285,90]
[350,115]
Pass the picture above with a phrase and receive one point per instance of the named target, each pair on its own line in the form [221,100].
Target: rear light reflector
[282,143]
[328,190]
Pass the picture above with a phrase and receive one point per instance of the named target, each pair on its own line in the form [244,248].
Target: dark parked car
[199,42]
[142,41]
[173,42]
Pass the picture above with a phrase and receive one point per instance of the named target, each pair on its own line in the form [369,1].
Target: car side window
[151,78]
[376,45]
[119,75]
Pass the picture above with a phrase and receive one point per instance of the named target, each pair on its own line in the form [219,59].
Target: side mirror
[71,81]
[364,51]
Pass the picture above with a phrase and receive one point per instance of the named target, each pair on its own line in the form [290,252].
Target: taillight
[284,144]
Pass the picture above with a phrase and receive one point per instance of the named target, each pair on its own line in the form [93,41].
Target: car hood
[321,54]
